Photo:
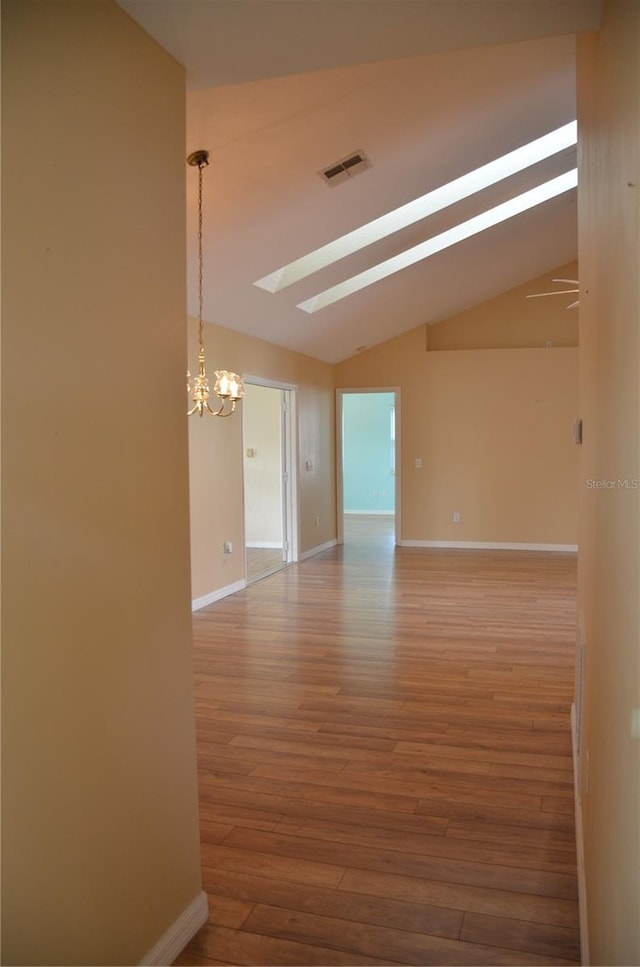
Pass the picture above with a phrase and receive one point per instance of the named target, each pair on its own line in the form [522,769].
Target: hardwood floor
[385,761]
[262,561]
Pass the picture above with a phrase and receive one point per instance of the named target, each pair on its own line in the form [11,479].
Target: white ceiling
[280,89]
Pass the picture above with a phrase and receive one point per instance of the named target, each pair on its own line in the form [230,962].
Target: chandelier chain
[200,260]
[228,386]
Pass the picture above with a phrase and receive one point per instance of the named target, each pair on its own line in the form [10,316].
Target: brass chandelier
[228,386]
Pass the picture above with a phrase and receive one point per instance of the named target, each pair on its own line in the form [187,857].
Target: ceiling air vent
[347,168]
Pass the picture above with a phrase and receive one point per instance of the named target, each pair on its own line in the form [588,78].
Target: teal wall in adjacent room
[367,452]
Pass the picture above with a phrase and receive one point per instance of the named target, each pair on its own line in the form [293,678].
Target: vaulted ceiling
[428,89]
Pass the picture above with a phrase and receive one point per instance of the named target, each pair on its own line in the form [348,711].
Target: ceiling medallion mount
[198,159]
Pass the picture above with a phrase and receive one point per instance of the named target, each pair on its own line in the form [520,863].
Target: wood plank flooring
[262,561]
[385,760]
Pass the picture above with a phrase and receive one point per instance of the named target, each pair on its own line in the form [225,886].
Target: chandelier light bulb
[228,386]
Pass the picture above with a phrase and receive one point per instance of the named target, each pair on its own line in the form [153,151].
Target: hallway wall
[609,571]
[215,456]
[492,428]
[100,851]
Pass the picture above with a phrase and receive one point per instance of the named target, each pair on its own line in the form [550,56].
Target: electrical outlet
[317,522]
[227,547]
[457,517]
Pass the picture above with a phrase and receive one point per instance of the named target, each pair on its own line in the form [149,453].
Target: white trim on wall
[397,512]
[223,592]
[265,545]
[175,939]
[494,546]
[371,513]
[318,550]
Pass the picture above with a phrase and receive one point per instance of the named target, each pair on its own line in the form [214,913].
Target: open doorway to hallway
[368,463]
[269,490]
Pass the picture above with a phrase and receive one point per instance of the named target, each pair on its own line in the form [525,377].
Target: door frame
[289,463]
[340,394]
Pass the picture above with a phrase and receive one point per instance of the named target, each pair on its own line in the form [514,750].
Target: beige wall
[493,431]
[609,588]
[215,455]
[100,836]
[511,321]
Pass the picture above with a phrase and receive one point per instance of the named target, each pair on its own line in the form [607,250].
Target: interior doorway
[368,422]
[270,519]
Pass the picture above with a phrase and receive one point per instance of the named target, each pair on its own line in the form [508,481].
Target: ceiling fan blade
[538,295]
[570,281]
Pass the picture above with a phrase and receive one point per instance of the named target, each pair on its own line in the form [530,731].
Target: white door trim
[291,516]
[340,394]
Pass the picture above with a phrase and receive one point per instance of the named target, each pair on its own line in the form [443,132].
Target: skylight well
[493,216]
[414,211]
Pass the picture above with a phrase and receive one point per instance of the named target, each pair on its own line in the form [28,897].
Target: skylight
[493,216]
[414,211]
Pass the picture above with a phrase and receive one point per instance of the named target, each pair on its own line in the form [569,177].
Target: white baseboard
[181,931]
[582,881]
[318,550]
[265,545]
[494,546]
[216,595]
[369,513]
